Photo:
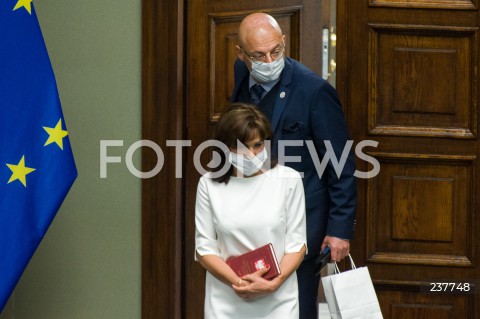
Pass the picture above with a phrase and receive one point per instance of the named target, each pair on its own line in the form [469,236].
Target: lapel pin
[282,95]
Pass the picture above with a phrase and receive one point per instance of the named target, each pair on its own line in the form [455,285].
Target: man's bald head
[258,29]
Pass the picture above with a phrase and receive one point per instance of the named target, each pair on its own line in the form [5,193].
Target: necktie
[256,93]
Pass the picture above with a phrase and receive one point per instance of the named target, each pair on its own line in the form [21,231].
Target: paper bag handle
[337,270]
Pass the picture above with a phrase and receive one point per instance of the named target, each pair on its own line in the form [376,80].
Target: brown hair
[240,122]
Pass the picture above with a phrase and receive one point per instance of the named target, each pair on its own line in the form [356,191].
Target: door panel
[418,75]
[411,83]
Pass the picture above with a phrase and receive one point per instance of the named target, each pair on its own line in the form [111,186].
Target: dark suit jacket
[307,108]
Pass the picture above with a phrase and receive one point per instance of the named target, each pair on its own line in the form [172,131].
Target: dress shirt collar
[266,86]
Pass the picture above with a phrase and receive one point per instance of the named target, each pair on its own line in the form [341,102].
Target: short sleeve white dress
[244,214]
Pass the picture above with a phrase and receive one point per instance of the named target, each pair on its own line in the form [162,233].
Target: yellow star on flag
[24,3]
[20,172]
[56,134]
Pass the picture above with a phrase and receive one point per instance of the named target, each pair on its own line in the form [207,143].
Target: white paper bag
[350,294]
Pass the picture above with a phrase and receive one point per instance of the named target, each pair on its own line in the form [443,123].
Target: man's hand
[340,248]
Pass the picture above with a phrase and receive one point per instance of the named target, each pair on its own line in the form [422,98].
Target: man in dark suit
[309,127]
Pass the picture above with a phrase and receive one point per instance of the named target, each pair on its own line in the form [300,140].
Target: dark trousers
[308,289]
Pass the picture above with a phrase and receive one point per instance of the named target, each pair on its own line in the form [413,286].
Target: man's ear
[239,52]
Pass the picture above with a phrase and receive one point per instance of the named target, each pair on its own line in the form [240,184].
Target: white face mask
[245,165]
[267,72]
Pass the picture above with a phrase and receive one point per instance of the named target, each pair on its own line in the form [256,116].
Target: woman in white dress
[248,207]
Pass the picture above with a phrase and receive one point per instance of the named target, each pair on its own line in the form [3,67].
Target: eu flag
[37,167]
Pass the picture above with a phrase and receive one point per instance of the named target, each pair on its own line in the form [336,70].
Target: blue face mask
[267,72]
[245,165]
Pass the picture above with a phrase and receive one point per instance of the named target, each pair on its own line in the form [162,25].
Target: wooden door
[409,80]
[211,39]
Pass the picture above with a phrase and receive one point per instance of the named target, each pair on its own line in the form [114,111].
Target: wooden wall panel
[162,119]
[409,80]
[419,76]
[418,218]
[406,311]
[412,304]
[424,203]
[437,4]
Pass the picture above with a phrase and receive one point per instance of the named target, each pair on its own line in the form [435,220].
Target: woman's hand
[254,285]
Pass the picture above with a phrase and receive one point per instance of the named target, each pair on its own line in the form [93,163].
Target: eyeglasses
[260,58]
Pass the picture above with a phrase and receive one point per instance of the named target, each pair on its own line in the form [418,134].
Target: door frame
[163,118]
